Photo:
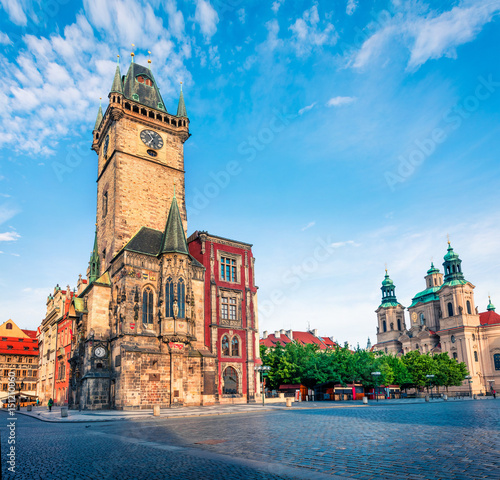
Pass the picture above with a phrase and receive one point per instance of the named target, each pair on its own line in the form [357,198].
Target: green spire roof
[181,109]
[387,281]
[174,238]
[99,118]
[94,262]
[491,307]
[388,292]
[140,86]
[452,267]
[117,81]
[433,269]
[450,255]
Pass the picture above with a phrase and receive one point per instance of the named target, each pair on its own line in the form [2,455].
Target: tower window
[144,80]
[147,306]
[181,298]
[169,294]
[455,356]
[422,319]
[384,326]
[105,204]
[8,326]
[469,308]
[496,361]
[476,359]
[450,309]
[399,324]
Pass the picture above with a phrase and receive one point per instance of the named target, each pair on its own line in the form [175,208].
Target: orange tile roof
[304,338]
[489,318]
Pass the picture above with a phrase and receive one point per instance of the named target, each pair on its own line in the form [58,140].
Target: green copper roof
[94,262]
[454,283]
[117,81]
[450,255]
[387,281]
[98,119]
[433,269]
[174,238]
[491,307]
[136,91]
[181,109]
[428,295]
[390,303]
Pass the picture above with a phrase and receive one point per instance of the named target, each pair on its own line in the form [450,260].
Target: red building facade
[231,325]
[63,353]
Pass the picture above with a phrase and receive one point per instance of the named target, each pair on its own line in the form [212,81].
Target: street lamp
[430,377]
[469,380]
[262,369]
[376,375]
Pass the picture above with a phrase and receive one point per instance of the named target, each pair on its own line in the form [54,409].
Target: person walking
[37,402]
[51,402]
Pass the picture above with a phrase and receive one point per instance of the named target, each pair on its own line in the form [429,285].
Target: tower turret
[490,307]
[388,292]
[94,263]
[452,266]
[181,109]
[99,118]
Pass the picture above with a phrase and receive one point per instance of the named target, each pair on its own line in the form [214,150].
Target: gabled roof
[140,92]
[489,318]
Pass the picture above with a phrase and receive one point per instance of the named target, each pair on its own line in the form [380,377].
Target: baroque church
[444,318]
[161,319]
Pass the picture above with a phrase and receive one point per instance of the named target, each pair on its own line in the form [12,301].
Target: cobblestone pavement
[449,441]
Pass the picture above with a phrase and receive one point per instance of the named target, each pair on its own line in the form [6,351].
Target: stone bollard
[282,396]
[156,410]
[427,398]
[365,400]
[289,401]
[445,398]
[29,408]
[64,412]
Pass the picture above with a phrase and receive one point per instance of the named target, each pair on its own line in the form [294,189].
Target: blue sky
[337,137]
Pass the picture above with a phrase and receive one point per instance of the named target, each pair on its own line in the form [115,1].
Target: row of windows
[384,325]
[21,373]
[230,349]
[26,386]
[21,359]
[175,304]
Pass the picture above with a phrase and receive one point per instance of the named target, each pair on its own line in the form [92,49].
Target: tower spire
[491,307]
[99,116]
[452,266]
[94,263]
[174,238]
[181,109]
[388,291]
[117,86]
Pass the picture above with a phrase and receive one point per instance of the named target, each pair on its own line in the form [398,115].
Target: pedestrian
[50,404]
[37,402]
[494,394]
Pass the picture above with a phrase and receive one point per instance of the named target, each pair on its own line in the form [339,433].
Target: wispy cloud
[306,109]
[9,236]
[206,17]
[309,225]
[15,11]
[352,5]
[276,5]
[339,101]
[345,244]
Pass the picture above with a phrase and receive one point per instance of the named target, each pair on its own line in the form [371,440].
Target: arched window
[399,324]
[384,326]
[455,356]
[450,309]
[169,298]
[225,345]
[496,361]
[181,298]
[469,308]
[147,306]
[235,347]
[8,326]
[230,381]
[422,319]
[476,359]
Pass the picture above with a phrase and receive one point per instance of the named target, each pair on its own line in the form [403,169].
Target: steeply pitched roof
[98,120]
[174,238]
[146,240]
[181,109]
[141,92]
[117,81]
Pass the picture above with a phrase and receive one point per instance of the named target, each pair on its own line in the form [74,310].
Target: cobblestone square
[446,440]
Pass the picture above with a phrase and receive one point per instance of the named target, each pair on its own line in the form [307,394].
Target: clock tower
[137,141]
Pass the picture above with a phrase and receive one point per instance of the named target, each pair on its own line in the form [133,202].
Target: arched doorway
[230,381]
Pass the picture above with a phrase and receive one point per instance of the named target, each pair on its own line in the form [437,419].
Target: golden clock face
[414,316]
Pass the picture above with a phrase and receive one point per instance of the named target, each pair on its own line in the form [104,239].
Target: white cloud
[213,55]
[306,109]
[276,5]
[241,15]
[9,236]
[15,254]
[206,17]
[307,34]
[309,225]
[352,5]
[15,11]
[345,244]
[339,101]
[175,19]
[4,39]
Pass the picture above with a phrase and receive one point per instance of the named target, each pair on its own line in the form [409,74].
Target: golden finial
[174,189]
[132,54]
[149,59]
[100,98]
[448,237]
[181,86]
[118,59]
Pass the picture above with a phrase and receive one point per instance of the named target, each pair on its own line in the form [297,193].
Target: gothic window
[230,381]
[399,324]
[476,359]
[147,306]
[496,361]
[450,309]
[169,298]
[225,345]
[181,298]
[235,347]
[105,204]
[228,269]
[469,308]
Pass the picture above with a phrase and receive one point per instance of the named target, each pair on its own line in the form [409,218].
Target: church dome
[433,269]
[450,255]
[387,282]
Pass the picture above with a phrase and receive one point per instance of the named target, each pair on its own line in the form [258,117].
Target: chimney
[289,334]
[264,334]
[314,331]
[282,332]
[277,334]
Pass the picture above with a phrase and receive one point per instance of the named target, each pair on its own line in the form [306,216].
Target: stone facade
[444,318]
[141,326]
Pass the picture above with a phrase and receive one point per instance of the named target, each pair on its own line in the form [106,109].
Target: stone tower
[390,316]
[136,141]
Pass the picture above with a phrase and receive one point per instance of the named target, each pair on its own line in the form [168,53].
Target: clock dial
[106,143]
[100,352]
[414,316]
[152,139]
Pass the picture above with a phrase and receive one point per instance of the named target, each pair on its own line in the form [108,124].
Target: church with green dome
[443,318]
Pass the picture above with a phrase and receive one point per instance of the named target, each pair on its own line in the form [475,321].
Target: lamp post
[469,380]
[430,377]
[263,370]
[376,375]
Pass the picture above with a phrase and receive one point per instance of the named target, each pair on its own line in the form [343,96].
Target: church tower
[390,316]
[137,140]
